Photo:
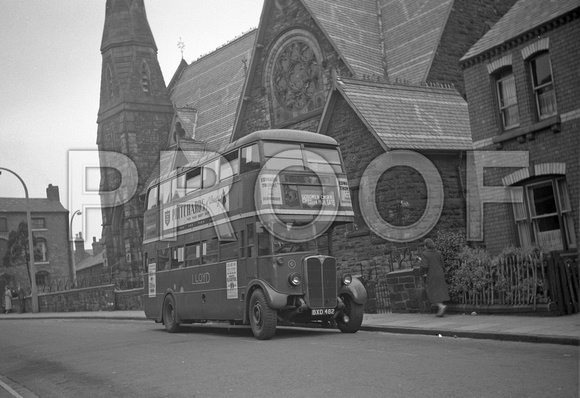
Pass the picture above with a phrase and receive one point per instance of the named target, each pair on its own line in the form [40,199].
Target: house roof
[213,85]
[37,205]
[410,116]
[93,260]
[523,17]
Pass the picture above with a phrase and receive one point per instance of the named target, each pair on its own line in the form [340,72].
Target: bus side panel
[188,299]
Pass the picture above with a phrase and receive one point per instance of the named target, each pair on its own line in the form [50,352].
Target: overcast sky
[50,72]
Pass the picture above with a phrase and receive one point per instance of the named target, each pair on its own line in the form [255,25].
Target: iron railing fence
[517,280]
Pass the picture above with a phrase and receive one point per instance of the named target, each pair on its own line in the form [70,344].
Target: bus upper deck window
[193,180]
[165,192]
[281,155]
[209,175]
[323,159]
[230,165]
[250,158]
[152,198]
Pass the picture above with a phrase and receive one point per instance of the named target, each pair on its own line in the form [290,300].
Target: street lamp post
[33,290]
[73,269]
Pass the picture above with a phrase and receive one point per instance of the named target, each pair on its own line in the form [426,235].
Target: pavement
[534,329]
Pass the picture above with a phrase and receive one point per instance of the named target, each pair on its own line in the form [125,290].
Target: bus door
[190,303]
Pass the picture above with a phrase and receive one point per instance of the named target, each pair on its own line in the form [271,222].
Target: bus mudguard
[275,299]
[356,290]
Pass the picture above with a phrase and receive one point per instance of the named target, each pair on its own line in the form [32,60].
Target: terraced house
[522,82]
[50,232]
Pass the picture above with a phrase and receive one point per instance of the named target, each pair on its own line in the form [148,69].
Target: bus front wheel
[262,317]
[169,315]
[354,312]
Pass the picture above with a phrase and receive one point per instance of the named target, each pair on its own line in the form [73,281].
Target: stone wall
[100,298]
[407,291]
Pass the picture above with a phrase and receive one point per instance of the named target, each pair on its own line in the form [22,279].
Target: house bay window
[543,85]
[544,216]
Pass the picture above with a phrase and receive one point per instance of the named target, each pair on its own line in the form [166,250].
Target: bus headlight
[346,279]
[295,279]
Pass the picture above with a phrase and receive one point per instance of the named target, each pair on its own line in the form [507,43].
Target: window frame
[42,226]
[42,278]
[43,246]
[502,76]
[537,86]
[527,222]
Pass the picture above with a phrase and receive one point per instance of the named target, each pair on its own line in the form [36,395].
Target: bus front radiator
[321,282]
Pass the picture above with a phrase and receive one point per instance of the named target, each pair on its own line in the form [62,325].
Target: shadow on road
[244,331]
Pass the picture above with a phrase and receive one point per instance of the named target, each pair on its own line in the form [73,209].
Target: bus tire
[169,315]
[355,314]
[263,318]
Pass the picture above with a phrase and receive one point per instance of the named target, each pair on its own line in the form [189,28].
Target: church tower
[134,118]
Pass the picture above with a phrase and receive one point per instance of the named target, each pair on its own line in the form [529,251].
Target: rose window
[296,76]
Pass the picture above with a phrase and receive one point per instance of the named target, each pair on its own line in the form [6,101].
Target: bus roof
[282,135]
[305,137]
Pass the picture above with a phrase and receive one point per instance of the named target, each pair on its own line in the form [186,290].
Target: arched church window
[145,77]
[296,77]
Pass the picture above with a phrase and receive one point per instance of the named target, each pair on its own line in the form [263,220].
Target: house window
[507,100]
[545,217]
[3,225]
[38,223]
[3,248]
[40,251]
[543,85]
[42,279]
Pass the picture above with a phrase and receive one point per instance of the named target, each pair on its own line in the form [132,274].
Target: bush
[451,244]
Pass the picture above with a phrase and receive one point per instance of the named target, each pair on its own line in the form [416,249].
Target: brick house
[381,77]
[521,81]
[50,230]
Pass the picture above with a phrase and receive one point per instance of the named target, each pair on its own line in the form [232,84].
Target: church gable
[290,71]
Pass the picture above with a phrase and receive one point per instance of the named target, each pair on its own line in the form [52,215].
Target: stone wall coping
[407,271]
[77,290]
[128,291]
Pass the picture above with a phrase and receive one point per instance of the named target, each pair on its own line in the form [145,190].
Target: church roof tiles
[410,117]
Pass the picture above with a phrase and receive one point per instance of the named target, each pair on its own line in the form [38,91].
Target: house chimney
[52,193]
[80,253]
[97,246]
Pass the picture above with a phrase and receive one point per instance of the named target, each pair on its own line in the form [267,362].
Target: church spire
[126,24]
[134,118]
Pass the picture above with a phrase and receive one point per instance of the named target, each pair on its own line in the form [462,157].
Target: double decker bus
[245,236]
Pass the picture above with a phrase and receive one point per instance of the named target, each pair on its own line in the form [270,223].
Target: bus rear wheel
[354,312]
[169,315]
[262,317]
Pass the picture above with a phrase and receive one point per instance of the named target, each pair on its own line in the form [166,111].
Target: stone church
[382,77]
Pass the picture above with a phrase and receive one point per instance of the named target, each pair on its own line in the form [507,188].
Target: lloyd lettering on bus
[201,278]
